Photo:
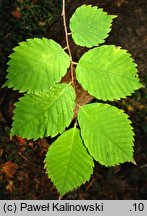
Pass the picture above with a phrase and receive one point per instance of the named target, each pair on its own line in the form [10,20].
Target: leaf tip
[134,162]
[114,16]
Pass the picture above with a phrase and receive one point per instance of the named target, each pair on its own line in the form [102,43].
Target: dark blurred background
[22,175]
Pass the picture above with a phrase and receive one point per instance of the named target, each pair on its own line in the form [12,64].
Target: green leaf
[45,113]
[108,73]
[67,162]
[90,25]
[36,65]
[107,133]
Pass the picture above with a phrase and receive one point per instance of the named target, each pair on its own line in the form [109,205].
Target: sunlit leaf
[108,73]
[36,65]
[90,25]
[67,162]
[107,133]
[45,113]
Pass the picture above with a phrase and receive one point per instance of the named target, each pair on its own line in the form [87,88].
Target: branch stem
[67,41]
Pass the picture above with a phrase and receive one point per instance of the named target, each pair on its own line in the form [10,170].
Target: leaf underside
[36,65]
[45,113]
[67,162]
[108,73]
[90,25]
[107,133]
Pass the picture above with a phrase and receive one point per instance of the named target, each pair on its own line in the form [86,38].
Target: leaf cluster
[106,72]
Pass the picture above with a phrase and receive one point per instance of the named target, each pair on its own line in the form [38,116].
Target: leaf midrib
[44,111]
[109,74]
[103,132]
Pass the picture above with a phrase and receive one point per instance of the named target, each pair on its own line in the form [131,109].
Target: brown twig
[67,41]
[90,184]
[26,159]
